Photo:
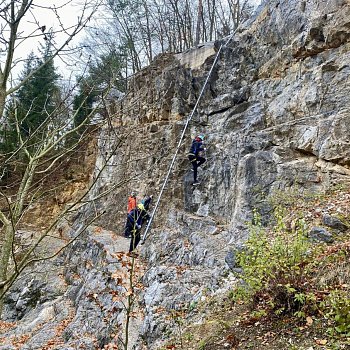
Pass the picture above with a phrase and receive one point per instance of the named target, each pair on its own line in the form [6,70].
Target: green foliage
[32,109]
[202,344]
[83,103]
[36,101]
[106,71]
[257,314]
[193,305]
[274,266]
[36,98]
[337,307]
[282,274]
[188,336]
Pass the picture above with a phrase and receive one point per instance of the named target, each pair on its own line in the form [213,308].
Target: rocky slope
[276,117]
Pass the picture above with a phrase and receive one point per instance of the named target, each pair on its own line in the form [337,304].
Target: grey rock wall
[276,116]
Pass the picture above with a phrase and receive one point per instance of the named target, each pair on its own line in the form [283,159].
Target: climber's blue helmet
[201,137]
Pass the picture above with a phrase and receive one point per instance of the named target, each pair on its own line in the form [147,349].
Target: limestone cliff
[276,115]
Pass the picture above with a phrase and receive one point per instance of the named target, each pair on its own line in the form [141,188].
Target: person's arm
[200,147]
[130,218]
[148,202]
[139,221]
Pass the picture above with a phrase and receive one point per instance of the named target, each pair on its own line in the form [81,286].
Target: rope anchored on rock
[144,237]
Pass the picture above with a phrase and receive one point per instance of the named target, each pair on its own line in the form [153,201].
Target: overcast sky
[42,15]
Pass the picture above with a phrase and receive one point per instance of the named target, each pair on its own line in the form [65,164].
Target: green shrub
[337,307]
[275,264]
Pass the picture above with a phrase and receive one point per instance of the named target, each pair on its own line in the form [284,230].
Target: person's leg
[127,229]
[195,171]
[200,161]
[137,238]
[193,161]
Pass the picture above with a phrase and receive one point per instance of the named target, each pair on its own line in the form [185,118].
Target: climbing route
[144,237]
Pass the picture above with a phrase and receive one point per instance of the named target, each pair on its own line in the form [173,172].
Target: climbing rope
[183,134]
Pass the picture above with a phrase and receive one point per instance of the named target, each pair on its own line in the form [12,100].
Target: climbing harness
[183,134]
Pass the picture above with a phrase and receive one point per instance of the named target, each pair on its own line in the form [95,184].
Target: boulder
[335,223]
[320,234]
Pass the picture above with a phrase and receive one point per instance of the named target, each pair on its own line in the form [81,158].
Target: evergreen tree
[32,108]
[83,102]
[104,72]
[36,97]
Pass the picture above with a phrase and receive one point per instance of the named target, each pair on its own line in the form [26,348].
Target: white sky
[42,15]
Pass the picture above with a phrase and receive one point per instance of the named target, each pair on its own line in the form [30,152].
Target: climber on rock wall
[195,158]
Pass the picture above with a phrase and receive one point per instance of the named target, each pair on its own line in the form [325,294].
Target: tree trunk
[199,20]
[2,99]
[149,34]
[6,250]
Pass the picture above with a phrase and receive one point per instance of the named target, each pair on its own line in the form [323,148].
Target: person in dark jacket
[134,224]
[195,158]
[146,201]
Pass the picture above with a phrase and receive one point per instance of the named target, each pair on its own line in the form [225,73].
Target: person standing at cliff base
[146,201]
[132,202]
[135,220]
[195,158]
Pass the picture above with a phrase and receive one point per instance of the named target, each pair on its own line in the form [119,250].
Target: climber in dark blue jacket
[134,223]
[195,158]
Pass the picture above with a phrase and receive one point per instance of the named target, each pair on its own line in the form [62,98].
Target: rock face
[71,304]
[276,116]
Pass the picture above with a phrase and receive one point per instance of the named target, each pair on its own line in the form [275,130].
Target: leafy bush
[275,265]
[337,306]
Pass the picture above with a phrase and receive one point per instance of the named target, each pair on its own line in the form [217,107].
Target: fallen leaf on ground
[309,321]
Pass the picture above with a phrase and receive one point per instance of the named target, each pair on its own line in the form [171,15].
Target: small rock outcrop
[320,234]
[334,223]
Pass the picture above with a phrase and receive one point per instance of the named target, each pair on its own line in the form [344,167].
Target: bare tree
[199,21]
[211,5]
[149,27]
[12,14]
[40,162]
[40,151]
